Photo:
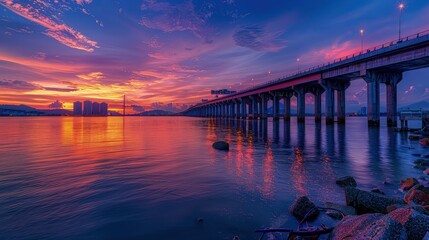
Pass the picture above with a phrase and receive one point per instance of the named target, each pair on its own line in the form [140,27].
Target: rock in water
[426,171]
[302,206]
[369,226]
[408,183]
[221,145]
[347,181]
[416,224]
[368,202]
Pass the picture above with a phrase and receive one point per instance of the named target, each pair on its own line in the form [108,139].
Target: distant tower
[87,108]
[104,109]
[95,109]
[77,108]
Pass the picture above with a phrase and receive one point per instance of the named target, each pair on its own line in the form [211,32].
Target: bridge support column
[286,101]
[276,107]
[391,80]
[372,79]
[233,113]
[237,107]
[300,106]
[317,92]
[341,98]
[329,105]
[254,107]
[243,108]
[264,105]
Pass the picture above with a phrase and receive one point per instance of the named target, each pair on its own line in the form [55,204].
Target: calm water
[153,177]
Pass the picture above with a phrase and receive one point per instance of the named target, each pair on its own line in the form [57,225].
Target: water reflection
[89,177]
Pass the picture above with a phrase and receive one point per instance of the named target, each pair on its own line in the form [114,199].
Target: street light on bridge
[401,6]
[361,31]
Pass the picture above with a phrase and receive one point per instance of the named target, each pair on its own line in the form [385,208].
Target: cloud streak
[54,28]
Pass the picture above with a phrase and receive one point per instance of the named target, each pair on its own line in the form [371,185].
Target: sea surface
[160,178]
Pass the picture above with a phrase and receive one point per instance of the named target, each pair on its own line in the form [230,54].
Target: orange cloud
[59,31]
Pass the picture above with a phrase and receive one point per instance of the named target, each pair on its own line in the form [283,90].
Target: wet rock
[424,141]
[426,171]
[416,224]
[369,226]
[235,238]
[302,206]
[377,190]
[347,181]
[422,162]
[368,202]
[417,196]
[346,210]
[408,183]
[200,220]
[221,145]
[417,208]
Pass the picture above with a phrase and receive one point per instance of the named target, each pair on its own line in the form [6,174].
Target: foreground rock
[368,202]
[347,181]
[369,226]
[415,223]
[408,183]
[403,223]
[426,171]
[221,145]
[302,206]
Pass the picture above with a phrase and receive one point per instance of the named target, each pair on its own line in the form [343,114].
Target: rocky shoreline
[373,215]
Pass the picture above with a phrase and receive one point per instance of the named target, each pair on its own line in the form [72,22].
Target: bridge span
[383,64]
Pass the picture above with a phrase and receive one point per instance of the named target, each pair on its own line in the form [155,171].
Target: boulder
[417,208]
[346,210]
[303,206]
[416,224]
[368,226]
[221,145]
[347,181]
[424,141]
[377,190]
[422,162]
[417,196]
[426,171]
[368,202]
[408,183]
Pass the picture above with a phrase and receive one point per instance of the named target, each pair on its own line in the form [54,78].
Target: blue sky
[160,52]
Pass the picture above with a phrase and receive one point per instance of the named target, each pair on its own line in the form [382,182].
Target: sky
[170,54]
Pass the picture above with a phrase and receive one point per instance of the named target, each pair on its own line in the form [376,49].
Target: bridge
[383,64]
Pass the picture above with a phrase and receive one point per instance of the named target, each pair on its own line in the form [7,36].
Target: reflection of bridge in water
[382,64]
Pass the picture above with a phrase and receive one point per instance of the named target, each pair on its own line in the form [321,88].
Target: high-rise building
[77,108]
[104,109]
[87,108]
[95,109]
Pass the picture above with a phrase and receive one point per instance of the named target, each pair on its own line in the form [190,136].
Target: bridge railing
[348,57]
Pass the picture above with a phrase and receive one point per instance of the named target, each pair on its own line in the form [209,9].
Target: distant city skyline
[169,54]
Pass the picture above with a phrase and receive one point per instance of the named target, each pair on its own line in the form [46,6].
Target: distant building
[95,109]
[77,108]
[87,108]
[104,109]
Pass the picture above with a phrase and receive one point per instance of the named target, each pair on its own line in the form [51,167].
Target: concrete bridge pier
[372,79]
[243,108]
[232,109]
[237,108]
[286,100]
[341,100]
[264,105]
[300,96]
[317,92]
[329,105]
[276,107]
[391,80]
[254,107]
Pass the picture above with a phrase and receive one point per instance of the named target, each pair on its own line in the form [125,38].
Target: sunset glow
[174,52]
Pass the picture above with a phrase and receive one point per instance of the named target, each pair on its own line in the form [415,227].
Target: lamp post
[297,63]
[361,39]
[401,6]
